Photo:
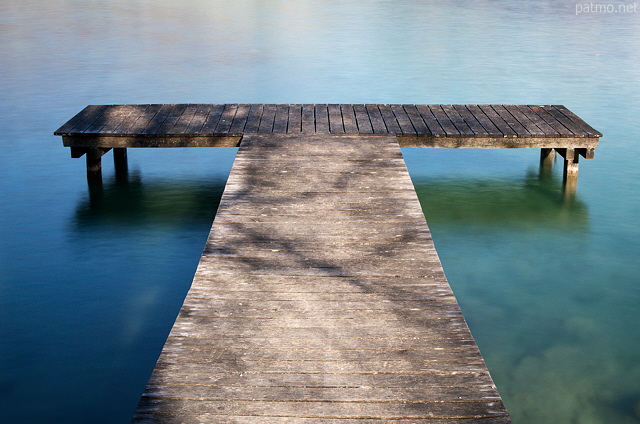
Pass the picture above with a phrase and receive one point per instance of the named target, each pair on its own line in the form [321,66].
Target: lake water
[90,285]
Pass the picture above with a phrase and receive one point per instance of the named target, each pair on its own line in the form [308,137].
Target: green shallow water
[90,283]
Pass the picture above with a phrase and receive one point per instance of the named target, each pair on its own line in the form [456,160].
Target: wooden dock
[320,297]
[98,128]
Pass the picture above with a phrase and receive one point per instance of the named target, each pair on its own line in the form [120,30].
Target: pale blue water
[89,290]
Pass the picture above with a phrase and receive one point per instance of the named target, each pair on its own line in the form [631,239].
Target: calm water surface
[90,285]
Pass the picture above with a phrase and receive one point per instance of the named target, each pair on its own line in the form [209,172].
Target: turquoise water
[90,284]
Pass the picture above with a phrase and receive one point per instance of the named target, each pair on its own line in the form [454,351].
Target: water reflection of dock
[319,295]
[128,201]
[533,202]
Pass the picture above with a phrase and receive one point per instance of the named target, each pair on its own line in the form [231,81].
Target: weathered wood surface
[319,297]
[450,126]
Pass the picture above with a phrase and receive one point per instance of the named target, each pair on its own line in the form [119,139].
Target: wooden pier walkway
[320,297]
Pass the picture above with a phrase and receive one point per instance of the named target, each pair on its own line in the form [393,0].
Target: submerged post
[571,157]
[570,172]
[120,162]
[94,165]
[547,158]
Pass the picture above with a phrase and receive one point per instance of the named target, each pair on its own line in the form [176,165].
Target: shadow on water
[536,201]
[126,200]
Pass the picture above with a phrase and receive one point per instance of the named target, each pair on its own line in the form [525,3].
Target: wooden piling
[94,165]
[547,157]
[571,157]
[120,163]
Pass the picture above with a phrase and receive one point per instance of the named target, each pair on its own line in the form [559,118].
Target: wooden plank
[377,122]
[390,120]
[226,119]
[240,120]
[215,114]
[228,409]
[458,121]
[295,119]
[183,122]
[579,122]
[416,120]
[547,130]
[362,119]
[444,120]
[470,120]
[194,124]
[129,114]
[497,120]
[270,345]
[82,120]
[281,121]
[110,119]
[322,118]
[565,121]
[484,120]
[143,418]
[481,380]
[327,394]
[268,118]
[253,120]
[199,119]
[403,120]
[171,119]
[432,123]
[507,117]
[308,119]
[349,119]
[551,121]
[158,119]
[143,119]
[193,359]
[336,126]
[527,123]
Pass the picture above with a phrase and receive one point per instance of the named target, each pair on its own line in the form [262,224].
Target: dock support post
[94,165]
[120,162]
[570,174]
[571,157]
[547,158]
